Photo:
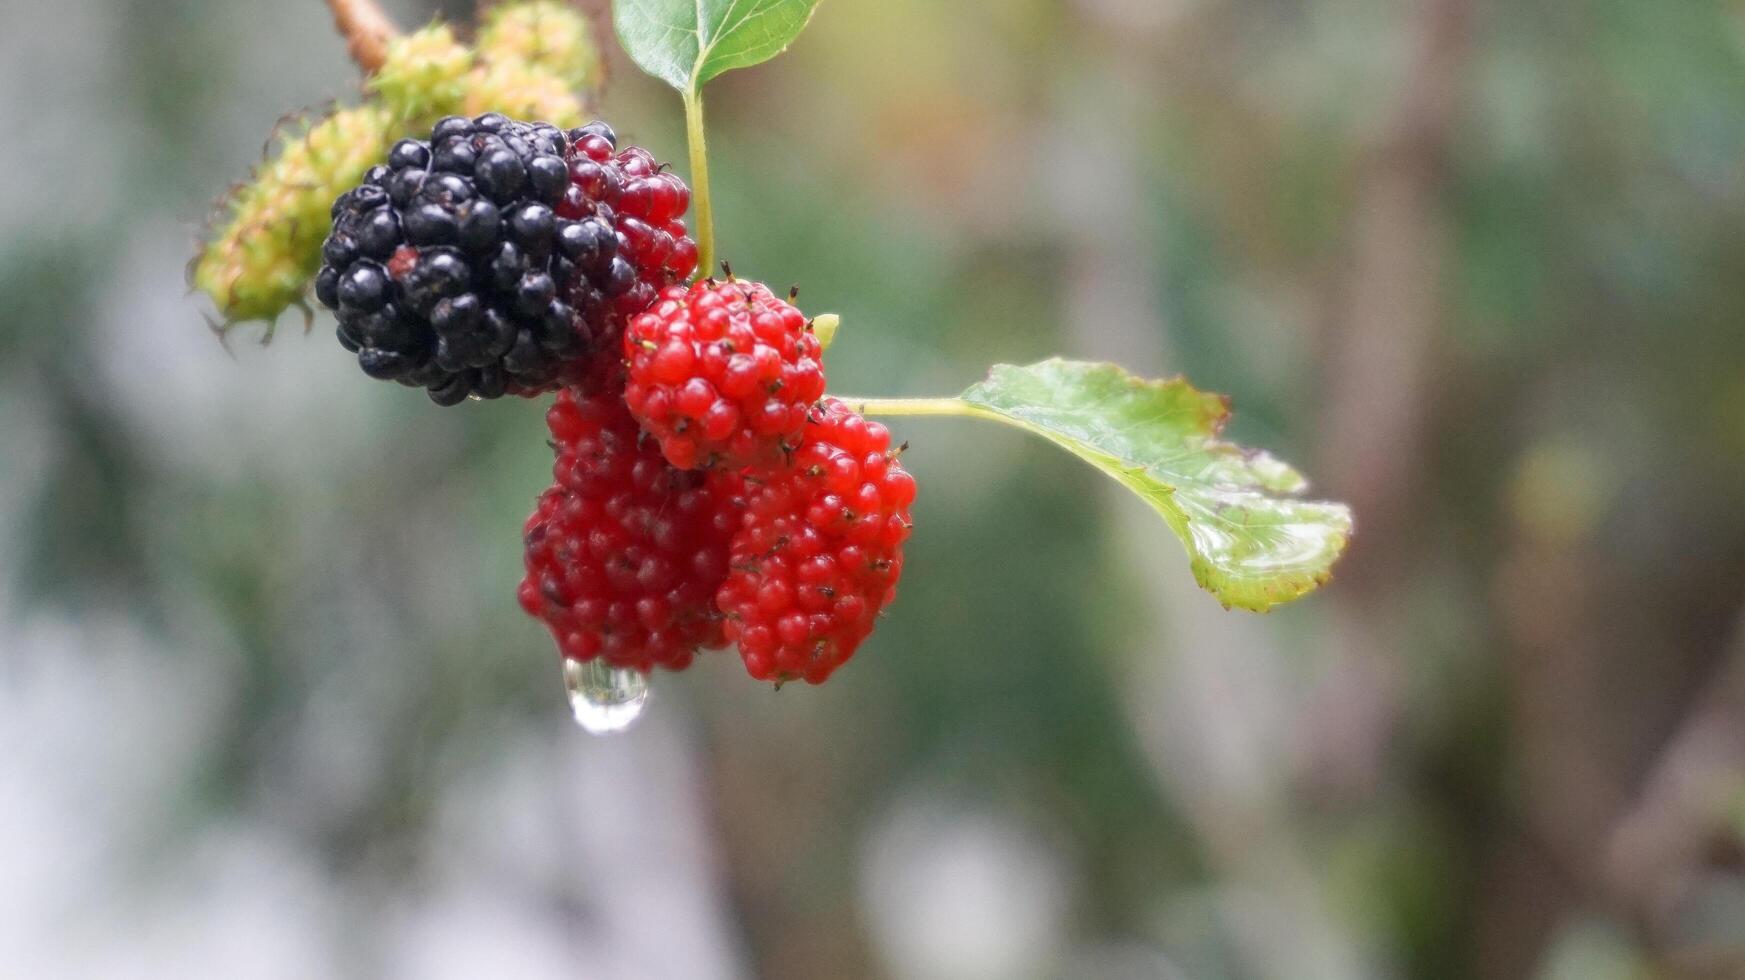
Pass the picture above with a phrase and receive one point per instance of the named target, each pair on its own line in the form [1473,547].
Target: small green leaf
[824,326]
[687,42]
[1253,544]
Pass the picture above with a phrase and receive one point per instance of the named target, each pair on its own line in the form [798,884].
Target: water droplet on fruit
[605,699]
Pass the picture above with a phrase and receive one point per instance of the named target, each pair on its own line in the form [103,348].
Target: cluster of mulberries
[705,492]
[730,378]
[499,256]
[789,506]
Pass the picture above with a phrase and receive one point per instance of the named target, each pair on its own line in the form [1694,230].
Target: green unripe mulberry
[552,37]
[262,260]
[424,77]
[522,91]
[531,61]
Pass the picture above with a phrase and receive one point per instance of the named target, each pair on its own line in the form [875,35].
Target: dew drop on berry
[604,699]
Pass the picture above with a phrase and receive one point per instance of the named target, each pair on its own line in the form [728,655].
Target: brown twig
[366,29]
[1675,837]
[1380,369]
[1381,363]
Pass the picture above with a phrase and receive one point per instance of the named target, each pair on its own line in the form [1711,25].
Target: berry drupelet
[644,204]
[498,256]
[723,374]
[820,549]
[625,553]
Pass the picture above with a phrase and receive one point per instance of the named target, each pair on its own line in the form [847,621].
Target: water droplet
[605,699]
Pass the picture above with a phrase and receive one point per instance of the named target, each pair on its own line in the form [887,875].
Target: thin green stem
[917,406]
[705,209]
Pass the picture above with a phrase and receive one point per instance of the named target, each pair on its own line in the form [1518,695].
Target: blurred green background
[268,707]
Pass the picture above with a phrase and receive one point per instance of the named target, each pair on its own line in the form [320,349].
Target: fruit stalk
[918,406]
[701,205]
[366,29]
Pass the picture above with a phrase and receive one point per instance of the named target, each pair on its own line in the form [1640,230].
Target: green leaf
[687,42]
[1252,542]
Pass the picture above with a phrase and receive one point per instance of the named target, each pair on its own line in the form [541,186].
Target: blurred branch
[366,29]
[1380,357]
[1378,376]
[1663,848]
[1551,605]
[1656,859]
[599,14]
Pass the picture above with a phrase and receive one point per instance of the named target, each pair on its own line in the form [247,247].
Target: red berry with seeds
[820,550]
[723,374]
[625,553]
[646,245]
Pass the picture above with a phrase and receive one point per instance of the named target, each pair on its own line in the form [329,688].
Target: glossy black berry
[479,225]
[500,174]
[455,155]
[532,225]
[327,287]
[586,243]
[620,277]
[368,196]
[534,293]
[339,250]
[381,364]
[404,185]
[453,126]
[500,257]
[378,233]
[548,177]
[507,266]
[596,128]
[431,224]
[408,154]
[363,287]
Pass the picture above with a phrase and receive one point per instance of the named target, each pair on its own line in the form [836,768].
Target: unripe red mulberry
[820,550]
[625,553]
[723,374]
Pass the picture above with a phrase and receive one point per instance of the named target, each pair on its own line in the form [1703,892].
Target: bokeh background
[268,707]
